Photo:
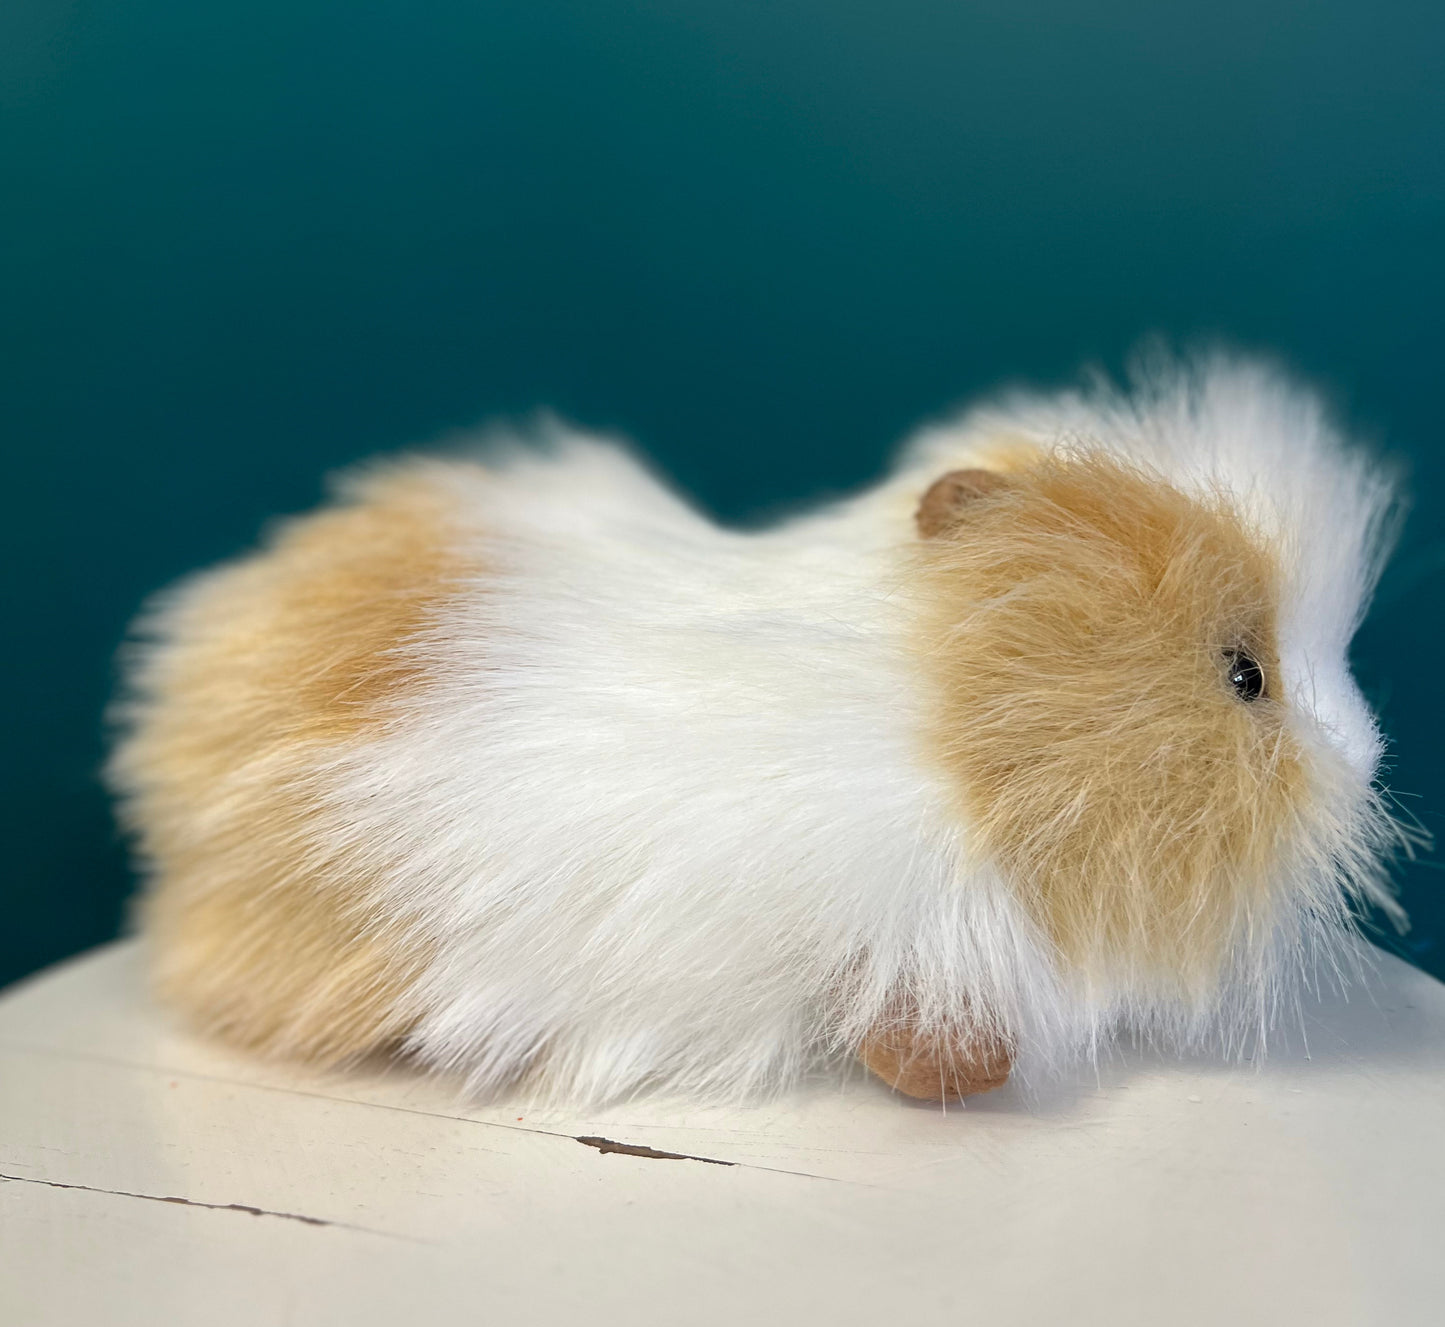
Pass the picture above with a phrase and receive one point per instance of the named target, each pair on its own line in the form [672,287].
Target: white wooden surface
[153,1179]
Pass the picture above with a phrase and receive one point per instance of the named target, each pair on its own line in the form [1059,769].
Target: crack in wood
[606,1145]
[195,1202]
[192,1075]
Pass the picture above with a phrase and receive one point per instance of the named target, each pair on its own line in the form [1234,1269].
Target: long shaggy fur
[618,799]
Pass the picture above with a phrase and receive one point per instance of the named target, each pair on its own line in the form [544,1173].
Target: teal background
[242,243]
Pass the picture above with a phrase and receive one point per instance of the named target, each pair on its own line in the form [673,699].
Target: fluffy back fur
[624,800]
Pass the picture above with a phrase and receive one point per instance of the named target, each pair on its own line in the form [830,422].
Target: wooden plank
[152,1178]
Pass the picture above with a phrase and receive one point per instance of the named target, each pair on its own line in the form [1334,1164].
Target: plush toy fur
[527,768]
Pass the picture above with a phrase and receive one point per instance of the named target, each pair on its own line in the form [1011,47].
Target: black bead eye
[1245,676]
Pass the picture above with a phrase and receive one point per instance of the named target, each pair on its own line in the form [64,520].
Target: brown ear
[943,504]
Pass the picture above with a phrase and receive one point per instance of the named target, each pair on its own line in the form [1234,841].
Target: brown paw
[937,1067]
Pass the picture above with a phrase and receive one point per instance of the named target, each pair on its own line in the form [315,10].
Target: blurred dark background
[242,244]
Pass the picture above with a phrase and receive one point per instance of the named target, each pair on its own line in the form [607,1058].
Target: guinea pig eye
[1245,676]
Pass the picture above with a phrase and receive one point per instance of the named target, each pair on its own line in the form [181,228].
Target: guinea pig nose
[1245,675]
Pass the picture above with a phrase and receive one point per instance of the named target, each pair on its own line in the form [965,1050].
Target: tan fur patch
[261,929]
[1078,624]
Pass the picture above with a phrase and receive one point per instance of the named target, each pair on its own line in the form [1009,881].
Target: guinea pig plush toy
[520,766]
